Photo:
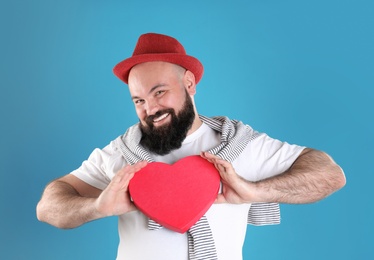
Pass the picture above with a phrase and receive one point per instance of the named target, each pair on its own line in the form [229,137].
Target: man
[253,167]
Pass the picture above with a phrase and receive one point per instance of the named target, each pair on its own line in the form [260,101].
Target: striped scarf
[235,136]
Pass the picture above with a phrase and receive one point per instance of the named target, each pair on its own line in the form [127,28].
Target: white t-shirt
[262,158]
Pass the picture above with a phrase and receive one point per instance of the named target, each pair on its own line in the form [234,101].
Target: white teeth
[161,117]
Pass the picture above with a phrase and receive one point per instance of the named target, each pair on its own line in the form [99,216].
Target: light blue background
[302,71]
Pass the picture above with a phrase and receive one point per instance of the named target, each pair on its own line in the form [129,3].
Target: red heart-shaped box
[176,196]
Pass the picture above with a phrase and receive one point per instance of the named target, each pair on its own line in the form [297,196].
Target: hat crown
[158,47]
[150,43]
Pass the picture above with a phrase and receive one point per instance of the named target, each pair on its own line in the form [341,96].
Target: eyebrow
[151,90]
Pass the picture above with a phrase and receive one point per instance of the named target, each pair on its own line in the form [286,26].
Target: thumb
[220,199]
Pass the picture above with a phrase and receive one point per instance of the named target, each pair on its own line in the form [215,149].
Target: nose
[152,107]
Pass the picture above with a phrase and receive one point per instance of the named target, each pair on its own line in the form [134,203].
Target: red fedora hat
[158,47]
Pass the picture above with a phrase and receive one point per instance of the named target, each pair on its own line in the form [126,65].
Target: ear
[189,82]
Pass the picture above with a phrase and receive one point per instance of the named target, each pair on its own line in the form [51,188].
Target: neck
[196,124]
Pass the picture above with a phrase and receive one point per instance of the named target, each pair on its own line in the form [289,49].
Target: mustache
[149,119]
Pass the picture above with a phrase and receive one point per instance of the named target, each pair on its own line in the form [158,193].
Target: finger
[141,164]
[215,159]
[124,175]
[132,206]
[220,199]
[220,167]
[209,156]
[130,169]
[225,167]
[121,174]
[223,163]
[206,158]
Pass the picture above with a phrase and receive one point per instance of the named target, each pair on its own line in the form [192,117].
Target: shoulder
[264,157]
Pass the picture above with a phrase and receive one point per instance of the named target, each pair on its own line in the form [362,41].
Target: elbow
[341,181]
[40,213]
[44,214]
[336,177]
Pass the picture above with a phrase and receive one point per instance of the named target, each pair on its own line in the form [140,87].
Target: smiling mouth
[160,118]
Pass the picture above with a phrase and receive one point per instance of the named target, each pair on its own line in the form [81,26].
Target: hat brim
[122,69]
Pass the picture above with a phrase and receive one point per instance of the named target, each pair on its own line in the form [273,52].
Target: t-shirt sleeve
[265,157]
[101,166]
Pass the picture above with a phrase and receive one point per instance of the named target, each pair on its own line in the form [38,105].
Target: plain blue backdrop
[301,71]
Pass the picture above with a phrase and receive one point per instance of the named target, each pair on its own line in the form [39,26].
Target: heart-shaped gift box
[176,196]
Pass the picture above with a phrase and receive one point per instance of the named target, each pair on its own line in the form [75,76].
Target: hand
[115,199]
[235,190]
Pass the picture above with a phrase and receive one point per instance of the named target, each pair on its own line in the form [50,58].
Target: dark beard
[162,140]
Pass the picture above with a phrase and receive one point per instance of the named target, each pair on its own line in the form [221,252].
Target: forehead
[149,74]
[154,68]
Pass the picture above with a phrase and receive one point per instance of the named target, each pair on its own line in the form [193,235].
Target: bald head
[155,70]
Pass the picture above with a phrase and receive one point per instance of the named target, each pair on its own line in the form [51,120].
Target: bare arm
[69,202]
[63,206]
[312,177]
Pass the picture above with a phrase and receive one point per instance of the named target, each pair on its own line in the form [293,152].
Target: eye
[159,92]
[138,101]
